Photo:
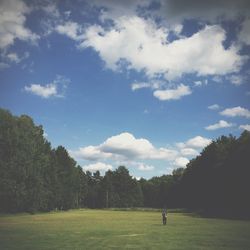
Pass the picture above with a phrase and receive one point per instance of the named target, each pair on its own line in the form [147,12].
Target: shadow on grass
[228,215]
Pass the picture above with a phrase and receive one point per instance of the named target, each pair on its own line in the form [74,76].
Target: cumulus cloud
[213,107]
[55,89]
[181,162]
[245,127]
[192,147]
[143,45]
[44,91]
[125,147]
[99,166]
[71,29]
[173,94]
[220,124]
[188,151]
[91,153]
[12,23]
[198,142]
[236,111]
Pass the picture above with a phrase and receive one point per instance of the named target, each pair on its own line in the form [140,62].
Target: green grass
[106,229]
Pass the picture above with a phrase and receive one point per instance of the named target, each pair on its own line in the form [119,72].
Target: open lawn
[104,229]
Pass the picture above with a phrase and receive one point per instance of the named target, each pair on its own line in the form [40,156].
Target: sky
[144,84]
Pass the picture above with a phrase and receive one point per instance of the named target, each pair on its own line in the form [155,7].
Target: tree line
[36,177]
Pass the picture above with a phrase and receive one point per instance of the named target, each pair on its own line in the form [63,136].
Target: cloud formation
[245,127]
[55,89]
[197,142]
[213,107]
[125,147]
[218,125]
[236,111]
[144,46]
[173,94]
[71,29]
[186,151]
[181,162]
[44,91]
[12,23]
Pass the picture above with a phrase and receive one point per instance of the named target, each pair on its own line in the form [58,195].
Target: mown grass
[106,229]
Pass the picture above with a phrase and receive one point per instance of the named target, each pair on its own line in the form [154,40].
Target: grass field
[104,229]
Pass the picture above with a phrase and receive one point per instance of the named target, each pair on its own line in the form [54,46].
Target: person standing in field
[164,216]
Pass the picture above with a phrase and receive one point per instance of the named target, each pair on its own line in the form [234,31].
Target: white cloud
[177,28]
[173,94]
[189,152]
[220,124]
[91,153]
[44,91]
[97,166]
[192,146]
[144,46]
[217,79]
[71,29]
[244,35]
[12,23]
[50,8]
[140,85]
[181,162]
[236,111]
[198,142]
[245,127]
[213,107]
[125,147]
[198,83]
[153,84]
[13,57]
[235,79]
[54,89]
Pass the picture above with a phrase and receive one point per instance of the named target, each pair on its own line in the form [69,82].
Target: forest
[36,177]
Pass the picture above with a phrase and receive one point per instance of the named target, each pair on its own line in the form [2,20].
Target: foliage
[32,175]
[35,177]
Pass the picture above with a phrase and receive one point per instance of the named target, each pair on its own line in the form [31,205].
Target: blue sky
[145,84]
